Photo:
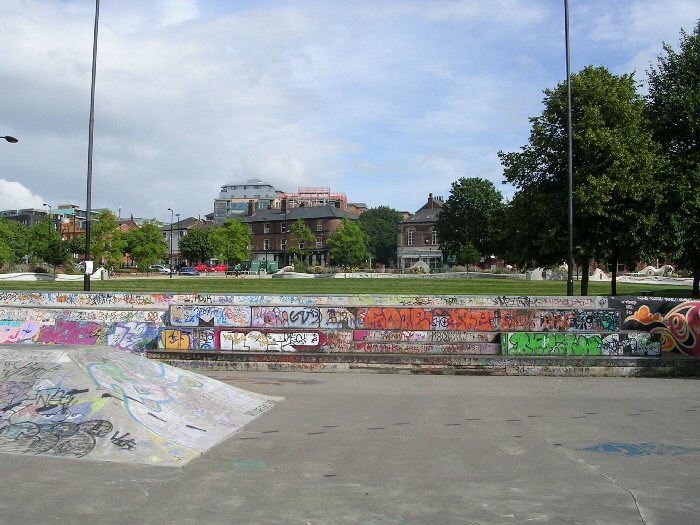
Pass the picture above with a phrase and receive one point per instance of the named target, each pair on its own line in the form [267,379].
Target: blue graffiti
[642,449]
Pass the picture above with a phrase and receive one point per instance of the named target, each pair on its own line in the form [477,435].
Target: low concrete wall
[461,334]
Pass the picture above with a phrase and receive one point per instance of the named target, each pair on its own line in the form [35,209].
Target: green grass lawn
[415,286]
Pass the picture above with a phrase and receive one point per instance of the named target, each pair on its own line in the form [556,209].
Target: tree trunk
[696,282]
[585,270]
[613,282]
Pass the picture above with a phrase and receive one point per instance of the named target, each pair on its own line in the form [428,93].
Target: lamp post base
[86,282]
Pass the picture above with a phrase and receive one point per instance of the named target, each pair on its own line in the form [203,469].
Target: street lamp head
[10,139]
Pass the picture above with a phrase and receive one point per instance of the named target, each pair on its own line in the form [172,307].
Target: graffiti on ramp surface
[106,404]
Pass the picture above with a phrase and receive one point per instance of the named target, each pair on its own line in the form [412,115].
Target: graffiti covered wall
[363,324]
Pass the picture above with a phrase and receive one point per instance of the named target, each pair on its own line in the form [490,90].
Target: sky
[383,100]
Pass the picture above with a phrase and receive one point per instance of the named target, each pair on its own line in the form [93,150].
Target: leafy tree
[470,217]
[467,254]
[106,241]
[47,243]
[146,244]
[614,164]
[231,241]
[381,225]
[348,244]
[196,245]
[14,241]
[76,245]
[674,109]
[7,254]
[57,252]
[301,240]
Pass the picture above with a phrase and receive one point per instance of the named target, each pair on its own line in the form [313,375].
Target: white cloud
[15,196]
[193,94]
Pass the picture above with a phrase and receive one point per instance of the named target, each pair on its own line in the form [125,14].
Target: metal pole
[88,219]
[177,216]
[570,258]
[172,218]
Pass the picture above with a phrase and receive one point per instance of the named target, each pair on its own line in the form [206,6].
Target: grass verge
[411,286]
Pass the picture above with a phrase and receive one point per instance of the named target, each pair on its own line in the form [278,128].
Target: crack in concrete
[581,461]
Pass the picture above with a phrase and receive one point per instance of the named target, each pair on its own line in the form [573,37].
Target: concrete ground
[400,449]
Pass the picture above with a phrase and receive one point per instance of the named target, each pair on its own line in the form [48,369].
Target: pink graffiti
[70,332]
[17,334]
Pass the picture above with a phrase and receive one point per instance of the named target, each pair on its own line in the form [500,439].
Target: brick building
[418,239]
[270,229]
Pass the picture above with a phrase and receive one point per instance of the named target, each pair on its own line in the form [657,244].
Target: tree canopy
[196,245]
[301,240]
[107,244]
[231,241]
[146,244]
[14,241]
[470,217]
[615,162]
[674,111]
[381,227]
[348,244]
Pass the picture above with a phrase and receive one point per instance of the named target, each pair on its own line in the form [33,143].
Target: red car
[201,267]
[218,268]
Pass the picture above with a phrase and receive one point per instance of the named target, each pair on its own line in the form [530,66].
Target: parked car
[159,268]
[217,268]
[188,270]
[201,267]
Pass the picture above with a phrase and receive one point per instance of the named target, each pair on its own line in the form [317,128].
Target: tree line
[636,175]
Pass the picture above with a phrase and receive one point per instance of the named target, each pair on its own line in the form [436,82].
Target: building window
[319,242]
[301,245]
[266,228]
[283,227]
[435,237]
[266,244]
[411,237]
[283,244]
[319,226]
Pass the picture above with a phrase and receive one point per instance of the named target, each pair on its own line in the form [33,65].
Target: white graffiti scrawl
[256,341]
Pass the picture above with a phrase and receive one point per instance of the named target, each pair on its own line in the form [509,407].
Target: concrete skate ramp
[106,404]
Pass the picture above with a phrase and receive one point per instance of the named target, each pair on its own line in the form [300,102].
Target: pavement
[402,449]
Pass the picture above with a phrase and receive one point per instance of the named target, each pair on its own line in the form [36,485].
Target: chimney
[251,208]
[430,201]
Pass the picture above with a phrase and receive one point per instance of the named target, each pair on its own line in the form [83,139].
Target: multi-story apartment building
[314,197]
[68,219]
[28,216]
[235,197]
[271,231]
[417,238]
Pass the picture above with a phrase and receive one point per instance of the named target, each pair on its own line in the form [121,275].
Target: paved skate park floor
[403,449]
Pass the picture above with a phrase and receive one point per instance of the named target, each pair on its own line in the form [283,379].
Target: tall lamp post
[570,257]
[48,238]
[10,139]
[171,241]
[86,277]
[177,219]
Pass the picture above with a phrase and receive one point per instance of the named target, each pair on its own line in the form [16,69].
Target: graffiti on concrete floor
[634,450]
